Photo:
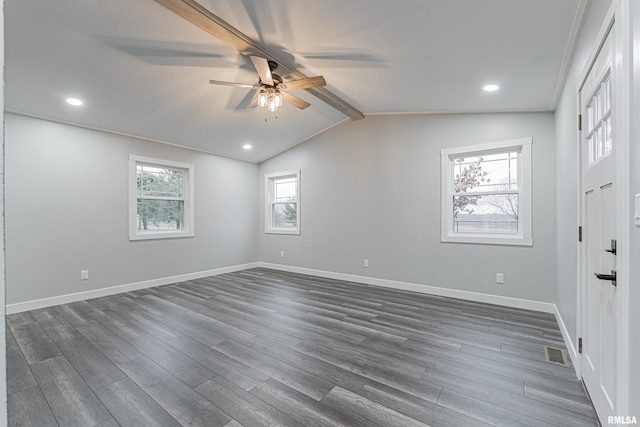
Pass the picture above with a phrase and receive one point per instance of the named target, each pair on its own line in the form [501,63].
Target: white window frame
[523,237]
[188,192]
[268,197]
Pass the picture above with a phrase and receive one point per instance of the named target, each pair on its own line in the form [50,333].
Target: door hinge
[579,233]
[579,121]
[580,345]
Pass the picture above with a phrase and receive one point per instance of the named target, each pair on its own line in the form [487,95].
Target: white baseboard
[102,292]
[571,349]
[544,307]
[425,289]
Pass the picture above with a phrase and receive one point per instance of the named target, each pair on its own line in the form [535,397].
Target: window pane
[607,136]
[590,117]
[284,215]
[606,95]
[494,172]
[160,215]
[284,189]
[486,214]
[598,141]
[159,182]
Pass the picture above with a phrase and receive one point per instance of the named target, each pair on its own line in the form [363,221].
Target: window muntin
[599,140]
[282,196]
[486,193]
[161,199]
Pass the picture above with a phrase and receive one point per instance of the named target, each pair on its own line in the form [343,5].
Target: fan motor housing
[276,79]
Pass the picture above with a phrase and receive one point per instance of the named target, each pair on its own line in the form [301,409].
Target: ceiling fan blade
[294,100]
[216,82]
[262,67]
[304,83]
[254,102]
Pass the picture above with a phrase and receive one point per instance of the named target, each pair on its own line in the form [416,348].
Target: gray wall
[567,171]
[371,189]
[67,210]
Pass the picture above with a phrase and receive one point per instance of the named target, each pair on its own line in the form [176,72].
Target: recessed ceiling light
[74,101]
[491,88]
[247,146]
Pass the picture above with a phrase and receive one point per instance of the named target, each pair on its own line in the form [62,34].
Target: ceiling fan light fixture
[262,99]
[271,88]
[273,107]
[274,99]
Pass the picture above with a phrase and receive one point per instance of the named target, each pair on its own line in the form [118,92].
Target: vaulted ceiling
[144,71]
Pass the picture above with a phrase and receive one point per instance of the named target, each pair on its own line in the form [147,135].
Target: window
[282,197]
[161,199]
[599,122]
[486,193]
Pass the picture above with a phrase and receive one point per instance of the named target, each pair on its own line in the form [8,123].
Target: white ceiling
[144,71]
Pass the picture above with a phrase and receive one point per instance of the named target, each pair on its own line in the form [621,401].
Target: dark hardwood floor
[267,348]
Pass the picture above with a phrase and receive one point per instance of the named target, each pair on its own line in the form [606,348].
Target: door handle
[611,277]
[613,247]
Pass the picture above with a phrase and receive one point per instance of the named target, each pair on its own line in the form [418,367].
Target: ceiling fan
[272,90]
[204,19]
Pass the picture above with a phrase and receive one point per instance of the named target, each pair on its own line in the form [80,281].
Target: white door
[599,327]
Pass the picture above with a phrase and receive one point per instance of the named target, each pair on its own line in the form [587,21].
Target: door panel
[607,293]
[590,345]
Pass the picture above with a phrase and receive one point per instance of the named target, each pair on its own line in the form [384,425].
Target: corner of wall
[3,365]
[571,349]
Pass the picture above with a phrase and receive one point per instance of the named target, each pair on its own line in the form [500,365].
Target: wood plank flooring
[267,348]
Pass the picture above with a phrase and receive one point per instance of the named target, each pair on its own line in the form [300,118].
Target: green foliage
[285,215]
[291,213]
[158,213]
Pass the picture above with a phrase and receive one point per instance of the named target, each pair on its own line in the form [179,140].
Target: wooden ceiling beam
[204,19]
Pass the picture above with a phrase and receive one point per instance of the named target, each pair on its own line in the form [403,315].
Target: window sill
[160,235]
[282,231]
[488,240]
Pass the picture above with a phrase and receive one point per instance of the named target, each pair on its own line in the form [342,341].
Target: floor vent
[554,355]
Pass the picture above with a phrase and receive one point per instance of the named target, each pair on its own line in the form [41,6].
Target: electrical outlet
[500,278]
[281,254]
[366,263]
[84,274]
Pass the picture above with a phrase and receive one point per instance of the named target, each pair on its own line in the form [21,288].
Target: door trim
[617,14]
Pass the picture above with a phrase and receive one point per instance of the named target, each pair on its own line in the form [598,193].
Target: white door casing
[599,212]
